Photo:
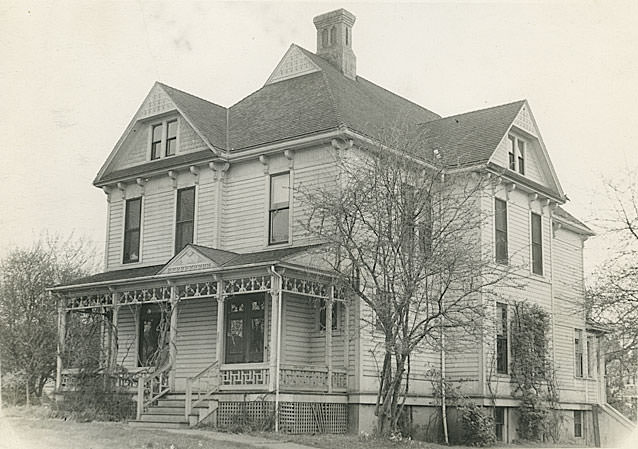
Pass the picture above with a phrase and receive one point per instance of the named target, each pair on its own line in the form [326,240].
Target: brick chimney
[334,40]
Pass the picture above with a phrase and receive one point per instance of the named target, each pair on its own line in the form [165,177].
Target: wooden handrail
[201,397]
[157,387]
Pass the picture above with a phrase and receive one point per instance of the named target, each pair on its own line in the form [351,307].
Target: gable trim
[293,51]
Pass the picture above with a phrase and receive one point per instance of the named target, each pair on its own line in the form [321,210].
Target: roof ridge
[190,95]
[478,110]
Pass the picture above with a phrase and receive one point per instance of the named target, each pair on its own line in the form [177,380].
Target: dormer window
[164,139]
[156,144]
[171,138]
[516,154]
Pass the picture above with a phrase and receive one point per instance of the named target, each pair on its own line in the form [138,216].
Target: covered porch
[203,329]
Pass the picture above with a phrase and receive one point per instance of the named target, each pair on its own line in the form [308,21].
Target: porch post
[113,343]
[219,347]
[346,338]
[329,337]
[274,325]
[61,341]
[172,337]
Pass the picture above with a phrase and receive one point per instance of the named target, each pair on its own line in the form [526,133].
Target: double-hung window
[164,139]
[184,218]
[502,357]
[578,423]
[322,315]
[499,423]
[278,215]
[500,220]
[156,141]
[592,362]
[578,352]
[537,244]
[132,226]
[516,154]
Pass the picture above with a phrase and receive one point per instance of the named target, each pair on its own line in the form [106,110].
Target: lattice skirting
[294,417]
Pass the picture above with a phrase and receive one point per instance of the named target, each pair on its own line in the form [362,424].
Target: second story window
[164,139]
[537,244]
[502,359]
[184,218]
[278,215]
[512,154]
[132,222]
[500,231]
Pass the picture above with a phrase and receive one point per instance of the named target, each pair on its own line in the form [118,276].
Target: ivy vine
[532,373]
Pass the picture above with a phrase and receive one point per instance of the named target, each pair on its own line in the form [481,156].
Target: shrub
[478,426]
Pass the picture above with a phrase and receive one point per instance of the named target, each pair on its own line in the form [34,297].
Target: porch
[209,335]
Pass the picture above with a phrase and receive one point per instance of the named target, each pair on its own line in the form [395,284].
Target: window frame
[502,424]
[275,208]
[128,231]
[156,144]
[579,365]
[516,153]
[163,143]
[592,360]
[503,259]
[179,222]
[321,316]
[246,316]
[502,339]
[537,265]
[578,424]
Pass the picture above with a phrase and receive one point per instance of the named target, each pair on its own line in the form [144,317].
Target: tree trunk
[28,399]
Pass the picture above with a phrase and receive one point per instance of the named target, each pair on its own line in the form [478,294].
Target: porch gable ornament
[189,259]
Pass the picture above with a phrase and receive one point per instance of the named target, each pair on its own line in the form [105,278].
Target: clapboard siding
[196,336]
[297,342]
[244,217]
[126,338]
[115,233]
[305,180]
[207,214]
[158,218]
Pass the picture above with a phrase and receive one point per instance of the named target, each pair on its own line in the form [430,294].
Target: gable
[189,259]
[538,166]
[294,63]
[160,105]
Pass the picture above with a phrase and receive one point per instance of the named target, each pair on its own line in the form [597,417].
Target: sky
[74,73]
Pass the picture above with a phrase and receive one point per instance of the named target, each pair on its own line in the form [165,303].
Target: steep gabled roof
[208,119]
[469,138]
[316,102]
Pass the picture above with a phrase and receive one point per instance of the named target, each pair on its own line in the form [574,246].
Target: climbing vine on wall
[532,373]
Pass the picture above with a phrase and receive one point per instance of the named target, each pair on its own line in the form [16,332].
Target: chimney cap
[338,15]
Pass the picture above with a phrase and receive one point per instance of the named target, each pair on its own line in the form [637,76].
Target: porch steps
[168,413]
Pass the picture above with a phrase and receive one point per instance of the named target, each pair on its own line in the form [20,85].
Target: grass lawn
[349,441]
[18,430]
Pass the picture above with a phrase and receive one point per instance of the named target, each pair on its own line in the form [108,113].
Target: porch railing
[312,378]
[202,385]
[152,387]
[245,376]
[71,379]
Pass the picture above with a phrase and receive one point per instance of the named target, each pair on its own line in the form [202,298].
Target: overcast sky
[74,73]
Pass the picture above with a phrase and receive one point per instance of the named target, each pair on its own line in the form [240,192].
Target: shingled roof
[209,119]
[469,138]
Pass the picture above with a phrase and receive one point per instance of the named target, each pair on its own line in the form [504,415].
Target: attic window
[516,154]
[163,139]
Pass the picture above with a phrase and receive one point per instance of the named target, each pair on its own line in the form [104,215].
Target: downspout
[278,350]
[443,398]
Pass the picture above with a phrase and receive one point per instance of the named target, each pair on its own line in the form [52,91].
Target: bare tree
[613,292]
[404,235]
[27,315]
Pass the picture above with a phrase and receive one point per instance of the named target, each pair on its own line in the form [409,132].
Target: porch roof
[221,260]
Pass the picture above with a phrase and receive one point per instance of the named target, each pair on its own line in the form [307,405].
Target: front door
[245,329]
